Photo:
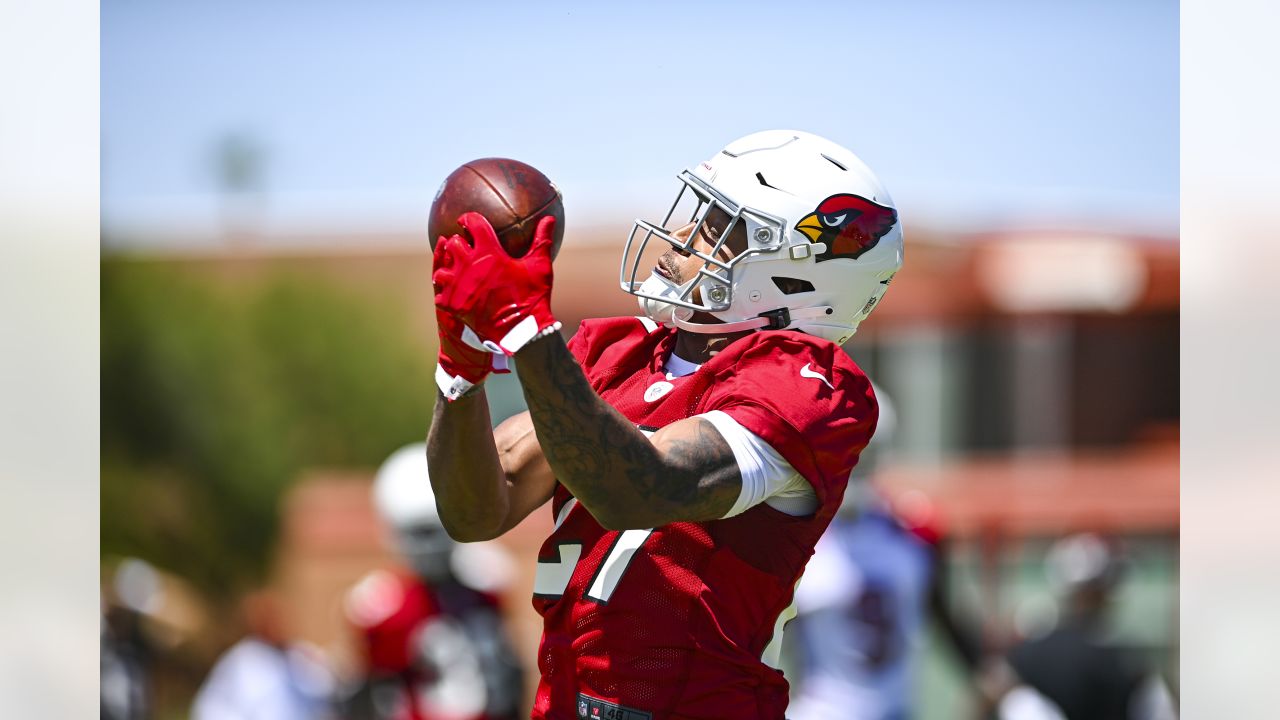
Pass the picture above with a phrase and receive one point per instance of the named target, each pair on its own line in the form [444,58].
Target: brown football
[511,195]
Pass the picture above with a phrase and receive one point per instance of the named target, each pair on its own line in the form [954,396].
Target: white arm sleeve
[766,476]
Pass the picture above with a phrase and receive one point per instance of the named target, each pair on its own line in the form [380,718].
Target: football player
[434,647]
[1078,667]
[693,454]
[876,578]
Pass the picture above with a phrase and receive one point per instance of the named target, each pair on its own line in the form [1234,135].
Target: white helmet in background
[1082,561]
[881,444]
[823,240]
[403,497]
[861,491]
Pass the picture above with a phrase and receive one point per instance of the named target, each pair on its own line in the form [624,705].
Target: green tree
[214,399]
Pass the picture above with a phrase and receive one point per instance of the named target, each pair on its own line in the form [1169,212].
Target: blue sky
[971,113]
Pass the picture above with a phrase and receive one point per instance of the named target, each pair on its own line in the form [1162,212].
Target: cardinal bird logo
[849,225]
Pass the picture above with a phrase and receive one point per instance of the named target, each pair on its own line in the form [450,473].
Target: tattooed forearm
[610,466]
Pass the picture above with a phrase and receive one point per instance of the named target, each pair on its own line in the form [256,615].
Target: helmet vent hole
[792,286]
[760,177]
[833,162]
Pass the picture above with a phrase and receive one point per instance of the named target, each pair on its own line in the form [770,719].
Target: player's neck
[698,348]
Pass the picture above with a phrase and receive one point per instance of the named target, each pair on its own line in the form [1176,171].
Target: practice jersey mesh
[682,621]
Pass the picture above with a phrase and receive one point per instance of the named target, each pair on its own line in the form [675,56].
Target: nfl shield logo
[582,709]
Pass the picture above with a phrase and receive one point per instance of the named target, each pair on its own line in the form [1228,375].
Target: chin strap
[779,319]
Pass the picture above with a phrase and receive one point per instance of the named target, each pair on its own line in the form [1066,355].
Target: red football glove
[464,360]
[504,299]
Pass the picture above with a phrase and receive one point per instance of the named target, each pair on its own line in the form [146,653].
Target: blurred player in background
[126,654]
[434,647]
[264,675]
[868,591]
[124,688]
[693,455]
[1077,667]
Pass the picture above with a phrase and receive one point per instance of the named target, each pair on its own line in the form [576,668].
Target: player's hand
[464,360]
[504,299]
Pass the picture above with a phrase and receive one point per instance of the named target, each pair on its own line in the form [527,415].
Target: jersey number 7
[553,576]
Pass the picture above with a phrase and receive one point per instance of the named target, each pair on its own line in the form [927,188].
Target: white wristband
[525,332]
[452,387]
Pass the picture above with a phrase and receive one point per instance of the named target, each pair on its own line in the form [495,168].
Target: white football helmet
[879,449]
[1083,560]
[823,240]
[404,499]
[862,491]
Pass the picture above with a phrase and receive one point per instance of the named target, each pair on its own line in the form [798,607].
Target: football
[512,195]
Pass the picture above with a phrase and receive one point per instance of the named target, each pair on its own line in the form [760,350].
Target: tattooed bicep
[700,477]
[694,442]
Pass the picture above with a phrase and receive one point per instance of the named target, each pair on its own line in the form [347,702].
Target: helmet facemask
[712,289]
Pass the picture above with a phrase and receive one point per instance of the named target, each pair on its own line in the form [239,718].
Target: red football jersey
[684,621]
[424,658]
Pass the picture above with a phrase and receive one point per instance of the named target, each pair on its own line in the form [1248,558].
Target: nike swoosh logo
[806,372]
